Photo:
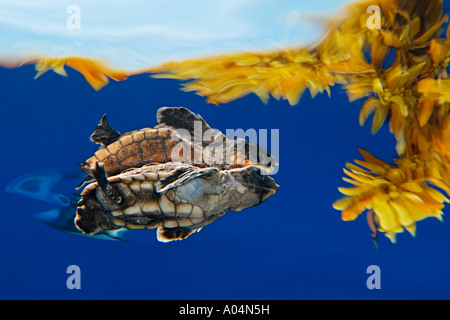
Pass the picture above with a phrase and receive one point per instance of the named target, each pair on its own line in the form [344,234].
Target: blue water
[293,246]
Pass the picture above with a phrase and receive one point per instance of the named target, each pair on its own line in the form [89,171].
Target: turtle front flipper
[171,234]
[104,134]
[180,118]
[182,176]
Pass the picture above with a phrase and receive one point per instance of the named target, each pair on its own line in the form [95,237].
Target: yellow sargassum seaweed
[96,73]
[412,92]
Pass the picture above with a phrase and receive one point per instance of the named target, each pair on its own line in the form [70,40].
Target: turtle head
[253,187]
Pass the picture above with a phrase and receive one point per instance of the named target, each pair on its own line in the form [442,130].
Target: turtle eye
[118,199]
[256,170]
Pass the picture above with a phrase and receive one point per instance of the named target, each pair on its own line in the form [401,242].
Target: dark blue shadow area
[294,246]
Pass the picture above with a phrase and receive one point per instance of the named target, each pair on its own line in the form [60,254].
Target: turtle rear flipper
[84,182]
[87,220]
[104,134]
[171,234]
[90,221]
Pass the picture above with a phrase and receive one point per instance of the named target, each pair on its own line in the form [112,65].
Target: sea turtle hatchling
[178,199]
[119,152]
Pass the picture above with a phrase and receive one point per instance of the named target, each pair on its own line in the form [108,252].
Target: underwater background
[293,246]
